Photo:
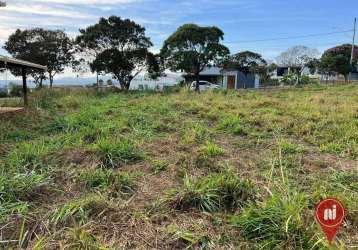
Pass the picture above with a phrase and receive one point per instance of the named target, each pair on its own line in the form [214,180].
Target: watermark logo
[330,215]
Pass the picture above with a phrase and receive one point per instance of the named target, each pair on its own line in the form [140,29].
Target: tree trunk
[124,85]
[197,85]
[127,85]
[40,84]
[51,80]
[24,86]
[97,81]
[345,78]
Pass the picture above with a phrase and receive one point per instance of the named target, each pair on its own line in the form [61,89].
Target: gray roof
[17,62]
[210,71]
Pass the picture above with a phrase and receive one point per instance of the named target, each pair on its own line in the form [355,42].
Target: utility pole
[353,45]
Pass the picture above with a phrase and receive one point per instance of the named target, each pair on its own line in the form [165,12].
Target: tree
[121,49]
[52,48]
[337,60]
[246,62]
[266,72]
[192,48]
[313,65]
[297,58]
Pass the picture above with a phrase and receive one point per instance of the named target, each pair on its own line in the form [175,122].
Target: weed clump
[106,179]
[82,238]
[288,148]
[116,153]
[224,191]
[195,132]
[276,224]
[159,166]
[233,125]
[28,156]
[79,211]
[212,150]
[188,239]
[208,154]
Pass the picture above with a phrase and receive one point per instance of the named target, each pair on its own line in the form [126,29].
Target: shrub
[304,80]
[212,193]
[289,79]
[272,82]
[3,94]
[15,90]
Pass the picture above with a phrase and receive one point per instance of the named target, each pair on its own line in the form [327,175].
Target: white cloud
[41,9]
[89,2]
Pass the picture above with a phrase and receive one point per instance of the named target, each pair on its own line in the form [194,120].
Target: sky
[244,22]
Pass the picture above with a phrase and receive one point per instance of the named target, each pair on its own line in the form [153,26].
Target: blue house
[230,79]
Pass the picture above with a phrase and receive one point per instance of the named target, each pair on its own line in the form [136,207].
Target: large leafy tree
[337,60]
[192,48]
[297,58]
[118,47]
[52,48]
[246,62]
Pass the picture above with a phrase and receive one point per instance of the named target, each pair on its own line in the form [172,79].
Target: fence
[147,84]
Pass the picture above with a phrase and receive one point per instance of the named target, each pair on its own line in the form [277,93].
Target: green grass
[212,193]
[79,211]
[159,166]
[221,169]
[276,224]
[122,182]
[113,153]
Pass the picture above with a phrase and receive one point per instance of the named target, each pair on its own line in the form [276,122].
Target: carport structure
[24,66]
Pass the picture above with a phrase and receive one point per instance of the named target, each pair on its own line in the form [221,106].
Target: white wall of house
[257,81]
[144,83]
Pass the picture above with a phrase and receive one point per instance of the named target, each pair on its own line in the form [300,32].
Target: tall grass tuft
[224,191]
[115,153]
[79,211]
[278,223]
[123,182]
[233,125]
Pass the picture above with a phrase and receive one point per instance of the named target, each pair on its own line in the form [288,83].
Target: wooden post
[24,86]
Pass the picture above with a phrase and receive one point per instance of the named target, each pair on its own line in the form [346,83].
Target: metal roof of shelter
[6,62]
[19,63]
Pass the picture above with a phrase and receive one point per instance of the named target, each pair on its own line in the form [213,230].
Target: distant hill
[61,81]
[170,79]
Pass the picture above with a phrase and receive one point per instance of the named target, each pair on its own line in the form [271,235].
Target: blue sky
[241,20]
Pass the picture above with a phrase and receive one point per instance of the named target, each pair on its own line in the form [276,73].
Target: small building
[228,79]
[24,66]
[282,71]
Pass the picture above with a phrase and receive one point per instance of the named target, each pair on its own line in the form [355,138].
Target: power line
[285,38]
[291,37]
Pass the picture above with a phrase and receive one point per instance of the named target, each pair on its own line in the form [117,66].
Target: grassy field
[217,170]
